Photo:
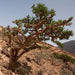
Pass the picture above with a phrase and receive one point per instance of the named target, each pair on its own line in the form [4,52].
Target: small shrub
[24,71]
[65,72]
[65,57]
[42,56]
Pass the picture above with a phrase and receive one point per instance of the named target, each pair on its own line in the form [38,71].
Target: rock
[40,72]
[1,73]
[28,59]
[70,66]
[55,71]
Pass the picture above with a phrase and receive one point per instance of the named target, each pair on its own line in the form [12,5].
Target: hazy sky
[16,9]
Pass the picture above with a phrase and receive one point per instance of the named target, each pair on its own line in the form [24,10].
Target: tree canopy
[43,27]
[33,29]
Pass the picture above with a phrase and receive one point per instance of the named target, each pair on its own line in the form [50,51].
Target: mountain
[69,46]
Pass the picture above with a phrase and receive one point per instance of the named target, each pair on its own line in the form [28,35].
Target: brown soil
[37,62]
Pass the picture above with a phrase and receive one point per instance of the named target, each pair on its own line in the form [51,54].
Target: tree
[31,30]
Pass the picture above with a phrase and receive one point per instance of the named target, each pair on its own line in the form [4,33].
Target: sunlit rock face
[1,27]
[69,46]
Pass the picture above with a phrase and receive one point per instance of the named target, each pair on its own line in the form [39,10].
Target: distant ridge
[54,49]
[69,46]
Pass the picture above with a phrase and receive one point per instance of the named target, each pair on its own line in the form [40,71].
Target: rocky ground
[38,62]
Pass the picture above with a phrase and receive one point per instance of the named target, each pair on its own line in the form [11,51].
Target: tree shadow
[23,69]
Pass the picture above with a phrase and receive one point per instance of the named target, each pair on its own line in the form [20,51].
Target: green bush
[65,57]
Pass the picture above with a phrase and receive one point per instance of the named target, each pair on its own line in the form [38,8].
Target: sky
[17,9]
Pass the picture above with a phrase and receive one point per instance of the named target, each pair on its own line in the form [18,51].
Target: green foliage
[65,57]
[56,28]
[59,21]
[40,9]
[14,28]
[60,29]
[52,12]
[47,38]
[59,43]
[14,31]
[66,34]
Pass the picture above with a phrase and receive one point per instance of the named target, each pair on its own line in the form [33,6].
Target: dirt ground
[37,62]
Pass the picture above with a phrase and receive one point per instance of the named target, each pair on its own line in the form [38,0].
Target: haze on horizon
[17,9]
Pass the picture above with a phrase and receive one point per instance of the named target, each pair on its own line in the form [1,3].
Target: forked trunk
[12,64]
[13,60]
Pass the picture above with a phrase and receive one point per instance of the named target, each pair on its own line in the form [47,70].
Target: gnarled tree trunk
[13,59]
